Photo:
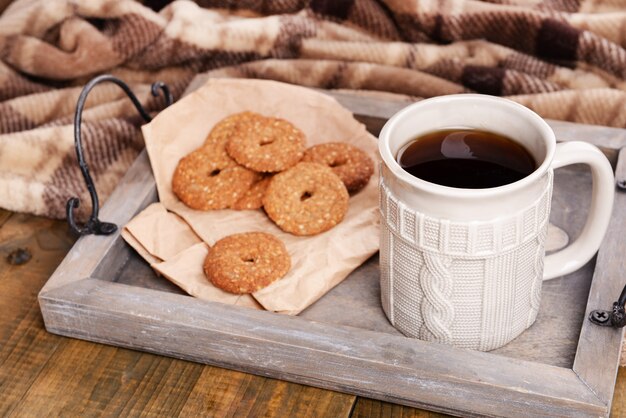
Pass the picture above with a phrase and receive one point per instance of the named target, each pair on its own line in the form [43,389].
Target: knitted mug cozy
[474,285]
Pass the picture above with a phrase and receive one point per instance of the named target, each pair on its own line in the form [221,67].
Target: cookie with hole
[353,166]
[266,144]
[206,179]
[246,262]
[306,199]
[225,128]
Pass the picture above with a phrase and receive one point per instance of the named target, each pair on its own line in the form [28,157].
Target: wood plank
[25,346]
[24,355]
[86,379]
[155,386]
[87,254]
[28,376]
[618,408]
[391,368]
[234,394]
[43,374]
[370,408]
[599,348]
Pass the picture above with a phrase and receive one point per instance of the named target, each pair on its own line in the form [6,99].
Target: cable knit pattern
[475,285]
[437,309]
[535,290]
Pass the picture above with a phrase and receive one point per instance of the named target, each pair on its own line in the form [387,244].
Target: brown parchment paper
[171,247]
[160,233]
[318,262]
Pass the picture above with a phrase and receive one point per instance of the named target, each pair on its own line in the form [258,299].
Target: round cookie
[205,179]
[306,199]
[253,198]
[353,166]
[245,263]
[266,145]
[225,128]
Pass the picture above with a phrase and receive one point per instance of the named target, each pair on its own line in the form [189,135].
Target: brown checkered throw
[565,59]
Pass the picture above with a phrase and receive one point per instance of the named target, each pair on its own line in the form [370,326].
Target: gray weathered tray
[562,366]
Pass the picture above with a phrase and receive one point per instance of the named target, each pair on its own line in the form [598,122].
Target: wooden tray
[562,366]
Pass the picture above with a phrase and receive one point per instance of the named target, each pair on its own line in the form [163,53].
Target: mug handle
[574,256]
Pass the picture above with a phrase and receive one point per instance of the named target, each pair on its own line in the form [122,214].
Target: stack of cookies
[250,161]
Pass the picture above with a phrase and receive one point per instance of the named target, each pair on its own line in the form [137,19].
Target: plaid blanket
[565,59]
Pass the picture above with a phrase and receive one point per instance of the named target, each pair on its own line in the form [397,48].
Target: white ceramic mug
[465,266]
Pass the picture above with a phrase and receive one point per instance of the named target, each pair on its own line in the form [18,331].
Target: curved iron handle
[94,225]
[615,318]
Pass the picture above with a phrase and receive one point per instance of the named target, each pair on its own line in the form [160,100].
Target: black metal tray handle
[94,225]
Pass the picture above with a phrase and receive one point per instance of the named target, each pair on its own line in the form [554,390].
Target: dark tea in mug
[466,158]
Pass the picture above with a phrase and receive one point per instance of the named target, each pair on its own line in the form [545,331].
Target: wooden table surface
[46,375]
